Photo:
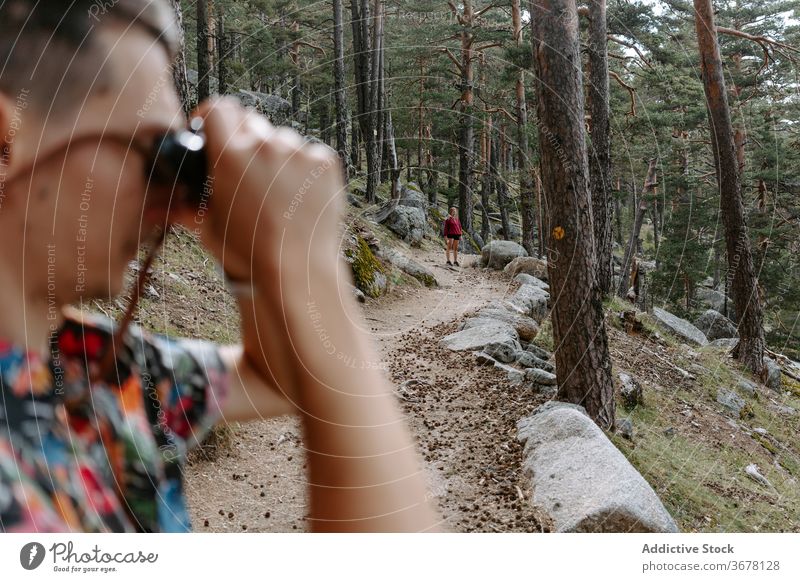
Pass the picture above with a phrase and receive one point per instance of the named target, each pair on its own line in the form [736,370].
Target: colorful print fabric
[103,457]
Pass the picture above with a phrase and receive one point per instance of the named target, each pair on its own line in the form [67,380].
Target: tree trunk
[741,272]
[203,66]
[466,144]
[179,65]
[222,50]
[583,365]
[340,88]
[526,188]
[636,229]
[540,215]
[600,158]
[500,185]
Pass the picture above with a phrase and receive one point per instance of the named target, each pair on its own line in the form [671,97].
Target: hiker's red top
[452,226]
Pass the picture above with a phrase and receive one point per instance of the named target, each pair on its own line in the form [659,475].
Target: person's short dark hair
[49,49]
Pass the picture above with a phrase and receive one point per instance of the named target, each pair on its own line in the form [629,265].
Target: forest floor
[463,416]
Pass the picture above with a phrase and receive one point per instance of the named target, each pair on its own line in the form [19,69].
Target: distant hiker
[452,234]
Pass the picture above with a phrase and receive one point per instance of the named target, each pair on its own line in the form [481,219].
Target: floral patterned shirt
[100,457]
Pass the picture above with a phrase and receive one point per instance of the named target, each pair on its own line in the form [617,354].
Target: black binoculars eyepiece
[179,162]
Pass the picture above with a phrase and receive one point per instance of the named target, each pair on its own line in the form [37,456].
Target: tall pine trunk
[466,142]
[600,153]
[741,272]
[203,61]
[636,229]
[340,88]
[526,188]
[179,65]
[583,365]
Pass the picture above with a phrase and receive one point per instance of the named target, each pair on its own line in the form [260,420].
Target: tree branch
[631,46]
[631,92]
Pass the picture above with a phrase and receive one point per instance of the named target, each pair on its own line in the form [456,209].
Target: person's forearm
[363,469]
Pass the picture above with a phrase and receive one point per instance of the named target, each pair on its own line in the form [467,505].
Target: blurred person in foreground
[83,96]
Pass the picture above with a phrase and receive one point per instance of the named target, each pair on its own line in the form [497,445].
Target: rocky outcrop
[711,299]
[499,253]
[369,275]
[581,480]
[526,327]
[409,266]
[528,265]
[679,327]
[773,380]
[407,222]
[715,325]
[631,391]
[531,300]
[490,338]
[525,279]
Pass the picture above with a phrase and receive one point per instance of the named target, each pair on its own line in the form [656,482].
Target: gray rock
[538,352]
[547,391]
[581,480]
[409,266]
[525,279]
[484,337]
[411,195]
[754,473]
[277,109]
[502,352]
[498,253]
[529,265]
[407,222]
[631,391]
[731,401]
[515,377]
[679,327]
[542,377]
[746,386]
[625,428]
[724,343]
[354,201]
[670,432]
[710,298]
[359,295]
[716,326]
[773,381]
[526,327]
[528,359]
[781,409]
[484,359]
[532,301]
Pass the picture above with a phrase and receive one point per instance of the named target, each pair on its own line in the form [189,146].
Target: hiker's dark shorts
[454,236]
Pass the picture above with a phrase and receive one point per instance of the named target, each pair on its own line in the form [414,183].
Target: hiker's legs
[455,250]
[448,242]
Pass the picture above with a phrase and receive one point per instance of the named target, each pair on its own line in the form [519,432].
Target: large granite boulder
[498,253]
[679,327]
[407,222]
[411,195]
[581,480]
[773,380]
[715,325]
[526,327]
[531,300]
[525,279]
[409,266]
[710,298]
[496,339]
[530,265]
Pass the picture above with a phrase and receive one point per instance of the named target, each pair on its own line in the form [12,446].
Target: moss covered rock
[369,274]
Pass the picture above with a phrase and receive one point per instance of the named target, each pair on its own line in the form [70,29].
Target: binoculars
[178,161]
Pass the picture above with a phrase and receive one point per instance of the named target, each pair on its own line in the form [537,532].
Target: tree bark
[340,88]
[466,145]
[526,188]
[203,66]
[222,50]
[583,365]
[179,76]
[600,158]
[741,272]
[636,229]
